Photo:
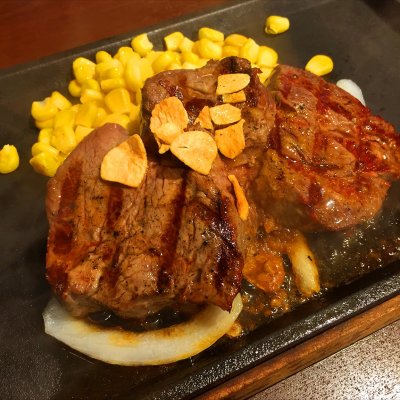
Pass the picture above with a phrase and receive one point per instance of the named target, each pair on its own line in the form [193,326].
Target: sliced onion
[163,346]
[303,266]
[351,87]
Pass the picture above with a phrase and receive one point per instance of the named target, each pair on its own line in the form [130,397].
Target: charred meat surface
[330,161]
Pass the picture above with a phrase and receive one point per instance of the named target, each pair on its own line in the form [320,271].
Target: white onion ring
[351,87]
[163,346]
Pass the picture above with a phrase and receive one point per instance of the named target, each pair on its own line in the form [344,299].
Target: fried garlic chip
[225,114]
[236,97]
[196,149]
[126,163]
[168,119]
[241,202]
[163,148]
[204,118]
[230,83]
[230,140]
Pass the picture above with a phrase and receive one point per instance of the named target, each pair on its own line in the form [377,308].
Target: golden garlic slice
[230,83]
[168,119]
[242,204]
[236,97]
[225,114]
[196,149]
[230,140]
[126,163]
[204,119]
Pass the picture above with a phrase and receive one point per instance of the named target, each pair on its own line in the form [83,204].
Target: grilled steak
[315,158]
[134,251]
[177,239]
[330,162]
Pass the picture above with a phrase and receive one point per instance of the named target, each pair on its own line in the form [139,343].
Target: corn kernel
[320,65]
[134,116]
[163,61]
[113,72]
[75,107]
[48,123]
[229,50]
[275,24]
[109,69]
[110,84]
[9,159]
[134,113]
[83,69]
[43,110]
[188,56]
[39,147]
[152,55]
[136,72]
[186,44]
[64,118]
[60,101]
[63,139]
[120,119]
[173,40]
[74,88]
[100,115]
[175,65]
[103,56]
[141,44]
[146,69]
[45,135]
[189,65]
[267,57]
[86,114]
[125,53]
[81,132]
[235,40]
[265,73]
[138,97]
[250,50]
[211,34]
[202,62]
[195,47]
[91,95]
[118,101]
[46,163]
[90,84]
[209,49]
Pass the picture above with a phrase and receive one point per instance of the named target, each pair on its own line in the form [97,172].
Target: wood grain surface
[308,353]
[32,29]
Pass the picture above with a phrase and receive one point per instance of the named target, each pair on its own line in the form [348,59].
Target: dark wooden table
[369,368]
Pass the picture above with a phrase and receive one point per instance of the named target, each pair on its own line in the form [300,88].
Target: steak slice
[330,161]
[196,89]
[135,251]
[176,240]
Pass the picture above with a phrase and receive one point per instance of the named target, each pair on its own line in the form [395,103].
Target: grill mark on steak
[170,241]
[114,207]
[63,234]
[228,251]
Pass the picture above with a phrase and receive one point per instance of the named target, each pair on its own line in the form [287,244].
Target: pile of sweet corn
[109,88]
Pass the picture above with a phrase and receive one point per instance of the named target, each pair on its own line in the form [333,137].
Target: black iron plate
[362,37]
